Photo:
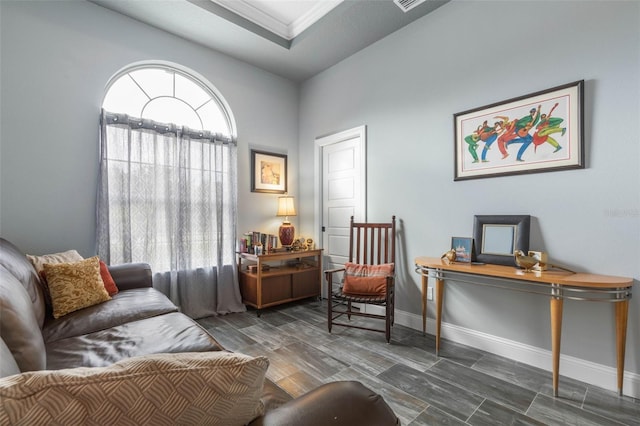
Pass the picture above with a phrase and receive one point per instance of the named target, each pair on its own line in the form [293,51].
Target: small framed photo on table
[463,247]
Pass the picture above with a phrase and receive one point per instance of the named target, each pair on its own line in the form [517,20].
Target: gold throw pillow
[73,286]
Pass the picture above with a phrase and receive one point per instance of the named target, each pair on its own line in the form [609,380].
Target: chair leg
[393,310]
[387,321]
[329,307]
[349,310]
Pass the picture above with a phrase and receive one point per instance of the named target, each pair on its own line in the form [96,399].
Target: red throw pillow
[366,280]
[109,283]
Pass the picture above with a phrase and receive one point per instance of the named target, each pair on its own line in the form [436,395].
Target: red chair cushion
[366,280]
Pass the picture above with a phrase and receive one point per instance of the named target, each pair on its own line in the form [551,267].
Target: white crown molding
[312,16]
[255,15]
[287,30]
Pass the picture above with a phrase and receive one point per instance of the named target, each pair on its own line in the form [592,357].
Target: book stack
[251,240]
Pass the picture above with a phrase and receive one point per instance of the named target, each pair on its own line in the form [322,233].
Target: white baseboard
[579,369]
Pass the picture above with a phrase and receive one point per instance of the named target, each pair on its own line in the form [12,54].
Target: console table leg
[425,286]
[439,297]
[622,314]
[556,332]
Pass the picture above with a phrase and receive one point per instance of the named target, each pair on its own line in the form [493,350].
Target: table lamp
[287,230]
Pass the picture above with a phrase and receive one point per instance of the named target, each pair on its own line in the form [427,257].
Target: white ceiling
[295,39]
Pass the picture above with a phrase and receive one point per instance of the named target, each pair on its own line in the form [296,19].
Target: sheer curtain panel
[167,197]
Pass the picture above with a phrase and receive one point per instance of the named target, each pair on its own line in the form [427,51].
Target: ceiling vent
[407,5]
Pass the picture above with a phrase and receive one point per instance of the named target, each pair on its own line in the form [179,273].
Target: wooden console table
[556,284]
[291,275]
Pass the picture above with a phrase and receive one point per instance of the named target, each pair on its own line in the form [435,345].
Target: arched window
[167,187]
[168,95]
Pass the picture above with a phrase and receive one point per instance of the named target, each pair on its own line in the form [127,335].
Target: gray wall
[56,59]
[407,87]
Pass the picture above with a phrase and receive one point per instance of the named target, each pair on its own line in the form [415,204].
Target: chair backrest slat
[372,243]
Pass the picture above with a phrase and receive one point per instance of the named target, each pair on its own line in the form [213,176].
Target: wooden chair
[370,245]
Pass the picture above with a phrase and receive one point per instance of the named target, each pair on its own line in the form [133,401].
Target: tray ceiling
[295,39]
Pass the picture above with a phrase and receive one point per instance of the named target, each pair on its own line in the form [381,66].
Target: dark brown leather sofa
[140,321]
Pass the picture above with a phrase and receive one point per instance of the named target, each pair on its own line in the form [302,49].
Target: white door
[342,191]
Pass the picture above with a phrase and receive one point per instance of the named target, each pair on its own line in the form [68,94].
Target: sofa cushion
[169,333]
[19,326]
[8,365]
[19,266]
[74,286]
[187,388]
[124,307]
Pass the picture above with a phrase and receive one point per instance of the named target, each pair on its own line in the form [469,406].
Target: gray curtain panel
[167,196]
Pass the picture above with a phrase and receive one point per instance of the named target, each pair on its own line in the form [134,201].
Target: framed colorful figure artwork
[268,172]
[539,132]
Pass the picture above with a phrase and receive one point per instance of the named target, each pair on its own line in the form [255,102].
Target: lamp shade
[285,206]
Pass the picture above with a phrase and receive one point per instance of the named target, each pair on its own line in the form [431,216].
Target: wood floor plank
[607,403]
[433,416]
[358,356]
[402,351]
[307,332]
[299,383]
[447,397]
[554,411]
[450,350]
[530,377]
[498,390]
[491,413]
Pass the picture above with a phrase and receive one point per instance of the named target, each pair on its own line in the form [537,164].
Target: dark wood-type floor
[464,386]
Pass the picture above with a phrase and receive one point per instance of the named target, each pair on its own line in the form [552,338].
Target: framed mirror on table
[497,237]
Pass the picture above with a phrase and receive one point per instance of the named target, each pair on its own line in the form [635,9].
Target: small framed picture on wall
[268,172]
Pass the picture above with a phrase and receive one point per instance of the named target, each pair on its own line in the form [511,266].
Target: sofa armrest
[131,275]
[336,404]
